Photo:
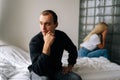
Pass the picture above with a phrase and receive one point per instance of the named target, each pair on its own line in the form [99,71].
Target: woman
[94,43]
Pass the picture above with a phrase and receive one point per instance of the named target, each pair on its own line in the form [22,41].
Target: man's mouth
[44,31]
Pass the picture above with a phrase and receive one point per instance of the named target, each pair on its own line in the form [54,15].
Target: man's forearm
[48,41]
[46,49]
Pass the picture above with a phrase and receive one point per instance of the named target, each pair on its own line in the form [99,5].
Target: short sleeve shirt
[92,43]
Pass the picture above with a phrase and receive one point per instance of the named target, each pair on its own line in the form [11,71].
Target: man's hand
[48,41]
[49,38]
[67,69]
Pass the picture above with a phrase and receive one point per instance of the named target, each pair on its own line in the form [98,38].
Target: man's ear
[56,24]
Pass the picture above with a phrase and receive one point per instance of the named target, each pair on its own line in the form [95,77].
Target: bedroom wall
[0,15]
[21,23]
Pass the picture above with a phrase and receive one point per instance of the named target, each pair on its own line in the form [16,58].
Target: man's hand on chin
[48,41]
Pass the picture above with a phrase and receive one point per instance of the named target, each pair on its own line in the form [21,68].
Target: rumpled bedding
[95,68]
[14,63]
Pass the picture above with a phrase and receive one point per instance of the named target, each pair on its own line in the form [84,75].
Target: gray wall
[0,15]
[20,19]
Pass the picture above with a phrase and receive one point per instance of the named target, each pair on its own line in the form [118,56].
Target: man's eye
[48,24]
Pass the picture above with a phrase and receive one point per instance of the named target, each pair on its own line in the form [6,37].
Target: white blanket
[96,69]
[13,63]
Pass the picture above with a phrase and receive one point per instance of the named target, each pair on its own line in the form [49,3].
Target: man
[46,50]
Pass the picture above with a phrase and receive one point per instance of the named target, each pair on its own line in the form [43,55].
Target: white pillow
[2,43]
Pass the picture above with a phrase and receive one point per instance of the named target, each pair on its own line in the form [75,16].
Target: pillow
[2,43]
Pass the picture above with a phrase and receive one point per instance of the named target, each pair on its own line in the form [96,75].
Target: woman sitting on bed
[94,43]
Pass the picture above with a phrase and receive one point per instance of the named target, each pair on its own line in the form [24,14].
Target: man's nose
[44,27]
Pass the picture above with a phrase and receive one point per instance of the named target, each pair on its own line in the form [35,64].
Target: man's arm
[72,50]
[48,41]
[40,52]
[38,58]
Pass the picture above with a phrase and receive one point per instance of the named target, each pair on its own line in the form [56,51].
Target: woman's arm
[102,44]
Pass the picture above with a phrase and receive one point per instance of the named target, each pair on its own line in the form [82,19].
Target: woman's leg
[98,53]
[83,52]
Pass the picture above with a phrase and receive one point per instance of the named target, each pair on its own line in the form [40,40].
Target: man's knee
[34,76]
[44,78]
[74,76]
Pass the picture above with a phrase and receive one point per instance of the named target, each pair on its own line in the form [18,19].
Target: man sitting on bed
[46,50]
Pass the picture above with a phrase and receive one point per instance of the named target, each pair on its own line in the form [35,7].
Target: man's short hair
[47,12]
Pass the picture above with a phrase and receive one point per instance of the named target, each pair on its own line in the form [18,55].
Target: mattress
[13,63]
[95,69]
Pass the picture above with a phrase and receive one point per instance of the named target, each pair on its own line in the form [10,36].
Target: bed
[95,68]
[14,62]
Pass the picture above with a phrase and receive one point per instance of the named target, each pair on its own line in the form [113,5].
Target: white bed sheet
[13,63]
[96,69]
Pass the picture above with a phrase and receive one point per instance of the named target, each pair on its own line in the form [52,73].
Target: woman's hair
[99,28]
